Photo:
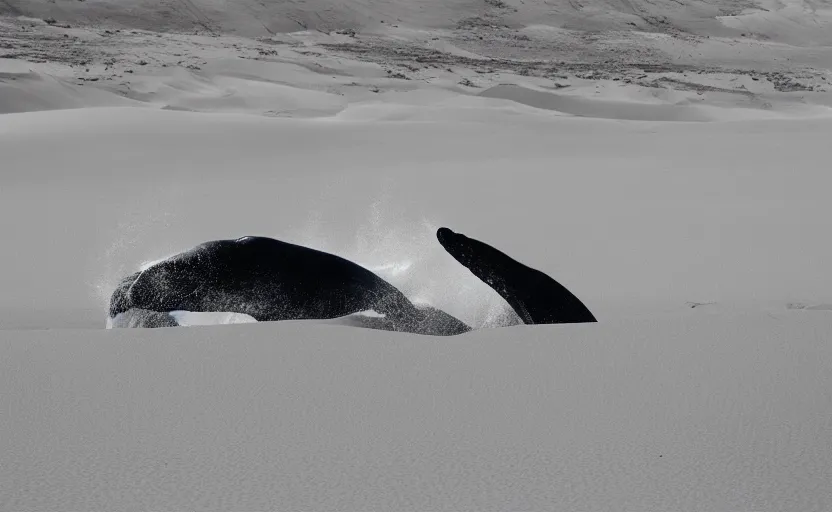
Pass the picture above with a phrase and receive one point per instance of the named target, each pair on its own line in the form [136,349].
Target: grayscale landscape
[667,161]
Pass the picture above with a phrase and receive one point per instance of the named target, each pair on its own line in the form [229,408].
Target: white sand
[685,202]
[700,412]
[633,216]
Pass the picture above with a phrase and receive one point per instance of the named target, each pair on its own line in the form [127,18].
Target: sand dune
[184,91]
[587,107]
[685,107]
[246,17]
[665,73]
[793,22]
[29,92]
[800,22]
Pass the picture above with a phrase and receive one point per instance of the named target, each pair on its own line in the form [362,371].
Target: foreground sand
[699,412]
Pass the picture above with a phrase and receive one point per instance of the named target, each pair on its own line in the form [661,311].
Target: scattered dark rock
[694,305]
[785,83]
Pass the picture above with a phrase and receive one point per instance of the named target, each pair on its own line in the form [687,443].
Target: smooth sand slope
[632,216]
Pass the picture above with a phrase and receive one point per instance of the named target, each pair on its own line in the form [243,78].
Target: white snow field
[685,202]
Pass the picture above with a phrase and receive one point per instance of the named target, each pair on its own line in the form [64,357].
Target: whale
[272,280]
